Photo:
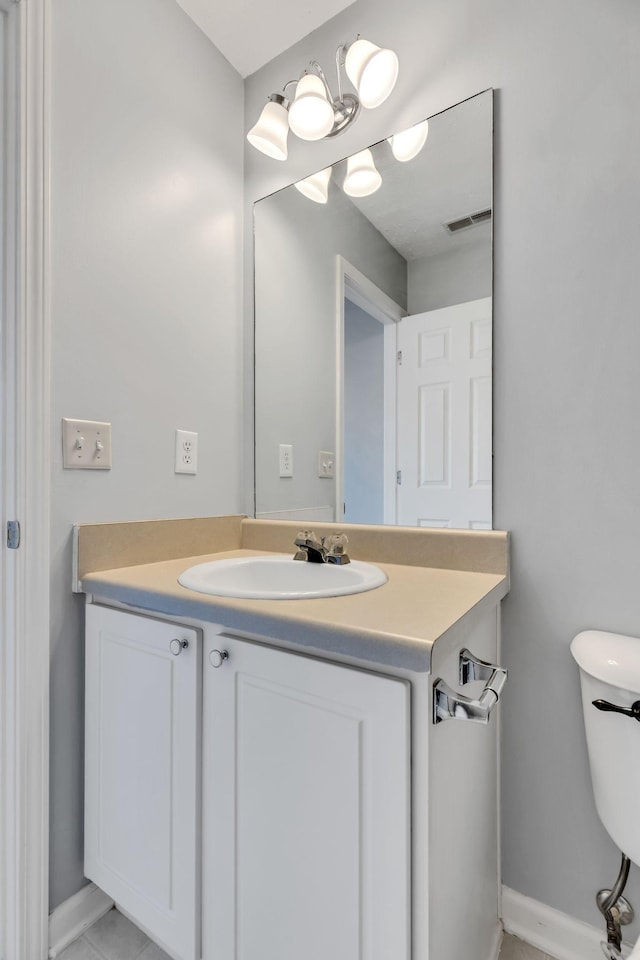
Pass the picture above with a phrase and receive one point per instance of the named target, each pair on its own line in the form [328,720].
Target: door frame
[353,285]
[25,495]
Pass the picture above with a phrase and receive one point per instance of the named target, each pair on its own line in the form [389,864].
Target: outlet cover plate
[186,460]
[86,445]
[285,456]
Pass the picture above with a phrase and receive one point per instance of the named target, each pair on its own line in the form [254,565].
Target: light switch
[86,445]
[326,467]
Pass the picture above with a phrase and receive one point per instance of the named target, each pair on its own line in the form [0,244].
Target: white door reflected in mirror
[444,417]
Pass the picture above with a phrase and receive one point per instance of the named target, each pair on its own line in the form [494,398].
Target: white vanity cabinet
[306,779]
[302,808]
[142,779]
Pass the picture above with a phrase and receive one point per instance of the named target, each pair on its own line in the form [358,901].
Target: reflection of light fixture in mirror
[372,70]
[310,114]
[316,187]
[408,144]
[269,135]
[362,176]
[314,112]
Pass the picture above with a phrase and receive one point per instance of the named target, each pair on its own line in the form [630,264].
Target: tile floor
[115,938]
[514,949]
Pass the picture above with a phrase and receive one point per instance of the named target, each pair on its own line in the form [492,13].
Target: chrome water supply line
[617,912]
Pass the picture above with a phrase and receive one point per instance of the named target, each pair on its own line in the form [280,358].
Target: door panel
[142,757]
[306,808]
[444,417]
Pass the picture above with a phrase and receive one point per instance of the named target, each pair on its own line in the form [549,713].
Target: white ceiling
[251,32]
[449,179]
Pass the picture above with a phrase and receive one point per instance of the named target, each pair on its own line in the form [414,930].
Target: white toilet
[610,680]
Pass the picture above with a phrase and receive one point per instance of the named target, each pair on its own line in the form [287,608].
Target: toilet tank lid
[610,657]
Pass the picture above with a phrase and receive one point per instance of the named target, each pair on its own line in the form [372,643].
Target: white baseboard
[561,936]
[75,915]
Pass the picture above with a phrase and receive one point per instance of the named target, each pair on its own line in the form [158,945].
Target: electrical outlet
[326,466]
[286,460]
[86,445]
[186,460]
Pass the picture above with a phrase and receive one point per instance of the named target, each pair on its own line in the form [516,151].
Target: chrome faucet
[326,550]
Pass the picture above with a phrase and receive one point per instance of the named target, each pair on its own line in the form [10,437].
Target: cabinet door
[306,808]
[141,773]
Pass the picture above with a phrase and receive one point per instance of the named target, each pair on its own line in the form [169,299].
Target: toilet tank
[610,670]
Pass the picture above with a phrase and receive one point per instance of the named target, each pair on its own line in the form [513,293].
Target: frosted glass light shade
[362,176]
[372,70]
[408,144]
[269,135]
[311,115]
[316,187]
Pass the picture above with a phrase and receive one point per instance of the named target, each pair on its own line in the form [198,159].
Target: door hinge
[399,477]
[399,358]
[13,534]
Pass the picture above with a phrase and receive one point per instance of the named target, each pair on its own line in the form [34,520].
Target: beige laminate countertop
[396,624]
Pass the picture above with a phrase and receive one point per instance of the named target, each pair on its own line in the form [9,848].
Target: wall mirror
[373,334]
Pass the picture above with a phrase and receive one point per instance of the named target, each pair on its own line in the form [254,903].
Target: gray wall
[449,278]
[146,240]
[296,243]
[363,416]
[567,341]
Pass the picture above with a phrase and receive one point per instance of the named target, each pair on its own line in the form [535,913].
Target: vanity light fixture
[373,72]
[316,187]
[269,135]
[311,115]
[314,113]
[408,144]
[362,177]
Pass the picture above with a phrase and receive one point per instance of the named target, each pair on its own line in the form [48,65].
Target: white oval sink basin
[280,578]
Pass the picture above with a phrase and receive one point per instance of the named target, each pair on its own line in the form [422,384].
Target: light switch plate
[86,445]
[186,452]
[326,465]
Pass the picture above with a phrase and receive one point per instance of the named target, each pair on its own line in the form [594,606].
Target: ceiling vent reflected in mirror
[471,220]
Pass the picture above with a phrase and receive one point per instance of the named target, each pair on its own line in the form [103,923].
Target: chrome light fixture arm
[278,98]
[346,106]
[341,54]
[320,72]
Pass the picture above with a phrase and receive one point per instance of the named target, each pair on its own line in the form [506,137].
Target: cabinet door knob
[218,657]
[177,646]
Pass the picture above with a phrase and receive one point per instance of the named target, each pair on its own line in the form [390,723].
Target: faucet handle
[307,538]
[337,541]
[309,547]
[335,548]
